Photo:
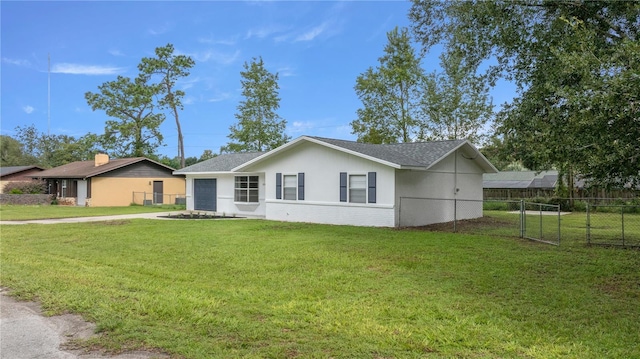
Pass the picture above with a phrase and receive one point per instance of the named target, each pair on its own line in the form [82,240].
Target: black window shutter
[343,186]
[301,186]
[372,187]
[278,185]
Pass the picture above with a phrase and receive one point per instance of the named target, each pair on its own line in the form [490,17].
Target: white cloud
[159,30]
[28,109]
[77,69]
[263,32]
[16,62]
[211,40]
[286,71]
[220,96]
[328,28]
[216,56]
[311,34]
[189,83]
[116,52]
[301,127]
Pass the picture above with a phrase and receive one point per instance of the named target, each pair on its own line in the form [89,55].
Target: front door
[82,193]
[157,192]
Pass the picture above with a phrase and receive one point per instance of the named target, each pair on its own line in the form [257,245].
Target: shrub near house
[27,187]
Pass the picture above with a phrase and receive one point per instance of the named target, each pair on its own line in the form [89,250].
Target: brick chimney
[101,159]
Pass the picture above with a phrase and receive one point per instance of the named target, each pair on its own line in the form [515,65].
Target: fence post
[400,213]
[455,214]
[540,206]
[622,217]
[522,219]
[559,225]
[588,224]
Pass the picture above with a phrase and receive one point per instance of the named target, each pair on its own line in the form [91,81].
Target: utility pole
[48,94]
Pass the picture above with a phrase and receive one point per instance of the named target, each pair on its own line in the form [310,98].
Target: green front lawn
[22,213]
[260,289]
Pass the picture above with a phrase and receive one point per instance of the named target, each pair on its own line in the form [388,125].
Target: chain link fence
[541,222]
[155,198]
[534,221]
[613,225]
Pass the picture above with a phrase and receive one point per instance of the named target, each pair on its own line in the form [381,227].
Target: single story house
[112,182]
[322,180]
[17,174]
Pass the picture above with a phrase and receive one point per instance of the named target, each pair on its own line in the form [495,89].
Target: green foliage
[49,150]
[25,187]
[391,94]
[402,104]
[169,68]
[11,153]
[247,288]
[259,127]
[576,65]
[133,128]
[456,102]
[206,155]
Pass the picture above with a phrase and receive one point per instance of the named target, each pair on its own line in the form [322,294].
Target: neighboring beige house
[113,182]
[17,174]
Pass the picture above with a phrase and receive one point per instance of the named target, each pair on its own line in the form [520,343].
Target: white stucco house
[322,180]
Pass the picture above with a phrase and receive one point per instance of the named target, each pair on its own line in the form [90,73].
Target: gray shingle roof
[8,170]
[520,179]
[414,154]
[221,163]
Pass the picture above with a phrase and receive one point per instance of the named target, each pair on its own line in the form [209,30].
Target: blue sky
[317,48]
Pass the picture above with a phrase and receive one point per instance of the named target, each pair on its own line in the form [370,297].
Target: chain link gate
[540,222]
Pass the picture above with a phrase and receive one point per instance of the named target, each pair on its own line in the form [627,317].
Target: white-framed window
[290,187]
[358,188]
[246,189]
[64,188]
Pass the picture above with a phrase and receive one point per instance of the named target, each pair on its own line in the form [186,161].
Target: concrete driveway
[26,334]
[153,215]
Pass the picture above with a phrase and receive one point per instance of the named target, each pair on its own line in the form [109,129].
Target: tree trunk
[180,141]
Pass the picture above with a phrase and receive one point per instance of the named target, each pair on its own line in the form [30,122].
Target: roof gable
[413,155]
[87,169]
[9,170]
[222,163]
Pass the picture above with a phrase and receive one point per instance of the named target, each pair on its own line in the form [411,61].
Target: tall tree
[576,67]
[456,102]
[11,153]
[259,127]
[51,150]
[206,155]
[133,127]
[169,68]
[390,94]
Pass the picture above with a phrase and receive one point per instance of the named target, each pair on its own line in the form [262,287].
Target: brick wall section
[25,199]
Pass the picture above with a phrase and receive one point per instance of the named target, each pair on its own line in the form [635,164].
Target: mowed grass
[22,213]
[261,289]
[606,228]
